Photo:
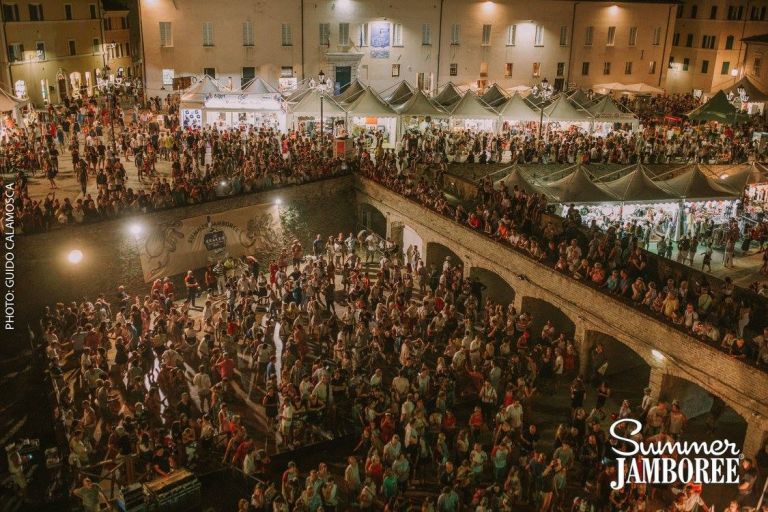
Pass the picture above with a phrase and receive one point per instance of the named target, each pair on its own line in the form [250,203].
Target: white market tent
[200,91]
[448,96]
[259,86]
[419,112]
[695,185]
[400,94]
[473,113]
[518,109]
[638,187]
[305,113]
[607,111]
[369,112]
[562,110]
[638,88]
[516,179]
[577,187]
[351,93]
[495,96]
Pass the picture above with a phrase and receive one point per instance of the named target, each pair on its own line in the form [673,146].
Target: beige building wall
[755,63]
[343,38]
[117,43]
[725,62]
[56,71]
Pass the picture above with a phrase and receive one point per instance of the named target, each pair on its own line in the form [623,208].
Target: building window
[207,33]
[166,34]
[628,68]
[713,13]
[680,11]
[536,69]
[455,33]
[726,67]
[652,67]
[325,34]
[729,43]
[286,71]
[10,12]
[421,83]
[68,11]
[426,34]
[486,40]
[686,63]
[757,14]
[676,39]
[92,10]
[72,47]
[735,12]
[343,34]
[395,70]
[589,35]
[35,12]
[656,36]
[671,62]
[363,39]
[585,68]
[606,68]
[248,74]
[705,66]
[397,34]
[632,36]
[96,45]
[511,35]
[211,72]
[168,76]
[40,50]
[708,42]
[538,36]
[248,39]
[611,39]
[127,50]
[15,52]
[689,40]
[453,69]
[286,35]
[563,35]
[694,11]
[756,66]
[508,69]
[107,23]
[560,68]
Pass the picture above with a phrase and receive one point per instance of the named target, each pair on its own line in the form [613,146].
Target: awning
[737,178]
[754,93]
[419,105]
[258,86]
[516,179]
[607,111]
[718,108]
[495,96]
[448,97]
[518,109]
[310,105]
[695,185]
[199,91]
[351,93]
[470,106]
[637,186]
[369,104]
[402,93]
[562,110]
[577,187]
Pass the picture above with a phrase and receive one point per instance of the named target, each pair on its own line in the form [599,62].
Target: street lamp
[321,88]
[108,88]
[543,92]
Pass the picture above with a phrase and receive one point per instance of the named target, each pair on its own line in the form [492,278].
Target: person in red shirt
[226,366]
[476,422]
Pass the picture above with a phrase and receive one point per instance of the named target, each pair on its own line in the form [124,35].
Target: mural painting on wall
[380,40]
[174,247]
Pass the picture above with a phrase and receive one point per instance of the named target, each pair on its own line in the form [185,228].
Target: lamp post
[543,92]
[108,88]
[321,88]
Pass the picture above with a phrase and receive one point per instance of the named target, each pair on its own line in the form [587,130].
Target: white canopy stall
[257,104]
[472,113]
[369,113]
[305,113]
[561,114]
[193,102]
[607,115]
[420,114]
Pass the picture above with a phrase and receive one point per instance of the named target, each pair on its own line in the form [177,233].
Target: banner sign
[174,247]
[380,40]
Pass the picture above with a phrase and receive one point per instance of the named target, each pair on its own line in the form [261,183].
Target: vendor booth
[369,113]
[400,94]
[751,180]
[305,114]
[561,114]
[517,111]
[11,107]
[448,97]
[418,113]
[607,116]
[495,97]
[577,188]
[719,109]
[747,95]
[193,100]
[516,179]
[472,113]
[351,93]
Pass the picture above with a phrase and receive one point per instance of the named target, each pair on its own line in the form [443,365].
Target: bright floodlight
[657,355]
[135,229]
[278,201]
[75,256]
[223,183]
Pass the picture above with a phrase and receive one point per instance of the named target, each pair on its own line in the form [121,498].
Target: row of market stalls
[677,201]
[359,108]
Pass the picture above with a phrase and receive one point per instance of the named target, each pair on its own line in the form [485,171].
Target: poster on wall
[380,40]
[173,247]
[191,117]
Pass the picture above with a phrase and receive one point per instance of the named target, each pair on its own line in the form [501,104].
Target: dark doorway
[343,77]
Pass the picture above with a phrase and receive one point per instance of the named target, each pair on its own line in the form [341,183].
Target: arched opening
[543,311]
[496,288]
[412,244]
[437,254]
[371,219]
[623,369]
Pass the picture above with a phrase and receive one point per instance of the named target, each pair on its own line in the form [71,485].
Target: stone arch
[543,311]
[627,372]
[497,288]
[372,219]
[411,238]
[436,254]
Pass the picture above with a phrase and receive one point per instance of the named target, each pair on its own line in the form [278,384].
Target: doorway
[343,77]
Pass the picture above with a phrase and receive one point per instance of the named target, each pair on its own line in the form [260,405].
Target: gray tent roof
[516,178]
[519,109]
[694,184]
[368,103]
[718,108]
[401,94]
[580,97]
[198,92]
[448,97]
[259,86]
[495,96]
[351,93]
[310,104]
[577,187]
[470,106]
[419,105]
[637,186]
[562,110]
[753,91]
[743,175]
